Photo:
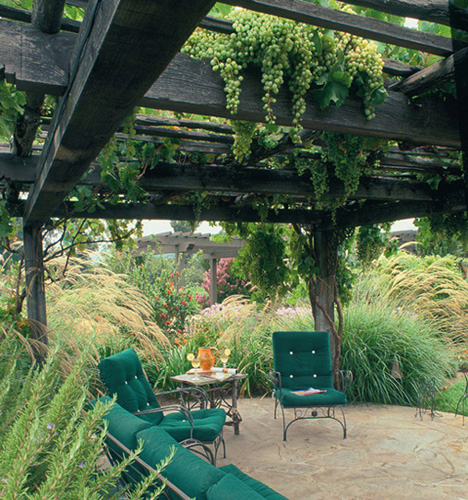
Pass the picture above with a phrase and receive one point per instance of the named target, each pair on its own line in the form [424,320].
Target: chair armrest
[276,380]
[346,377]
[194,389]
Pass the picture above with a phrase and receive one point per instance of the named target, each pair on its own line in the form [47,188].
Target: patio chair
[123,375]
[303,378]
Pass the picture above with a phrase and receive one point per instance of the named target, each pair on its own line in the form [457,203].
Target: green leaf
[342,77]
[332,92]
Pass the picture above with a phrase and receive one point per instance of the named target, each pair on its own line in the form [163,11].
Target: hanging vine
[325,64]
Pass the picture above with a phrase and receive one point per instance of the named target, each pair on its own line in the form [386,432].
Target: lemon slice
[227,352]
[190,356]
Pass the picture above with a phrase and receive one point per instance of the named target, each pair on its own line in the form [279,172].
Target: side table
[222,390]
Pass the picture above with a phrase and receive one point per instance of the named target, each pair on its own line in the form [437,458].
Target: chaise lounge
[187,472]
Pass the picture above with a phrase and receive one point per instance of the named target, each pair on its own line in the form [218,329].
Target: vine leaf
[333,91]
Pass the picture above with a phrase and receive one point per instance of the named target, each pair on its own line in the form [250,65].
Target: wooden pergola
[182,244]
[125,53]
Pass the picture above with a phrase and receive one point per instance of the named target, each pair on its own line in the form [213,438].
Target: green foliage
[230,281]
[447,400]
[50,441]
[443,234]
[263,257]
[329,65]
[372,241]
[159,280]
[377,333]
[11,106]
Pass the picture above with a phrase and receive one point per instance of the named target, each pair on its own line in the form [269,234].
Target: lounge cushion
[121,424]
[232,488]
[262,489]
[187,471]
[123,375]
[303,359]
[208,424]
[330,398]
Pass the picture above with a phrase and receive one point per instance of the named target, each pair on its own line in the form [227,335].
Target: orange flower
[171,284]
[169,292]
[179,331]
[177,273]
[163,315]
[184,303]
[177,342]
[165,305]
[157,298]
[190,297]
[168,322]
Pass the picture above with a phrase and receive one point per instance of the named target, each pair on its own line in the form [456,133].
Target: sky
[163,226]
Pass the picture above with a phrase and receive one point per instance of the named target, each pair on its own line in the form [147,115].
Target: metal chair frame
[301,412]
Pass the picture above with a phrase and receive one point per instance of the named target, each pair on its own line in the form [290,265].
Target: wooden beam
[47,15]
[25,16]
[123,46]
[428,78]
[365,27]
[449,201]
[221,212]
[191,86]
[434,11]
[35,61]
[173,177]
[34,275]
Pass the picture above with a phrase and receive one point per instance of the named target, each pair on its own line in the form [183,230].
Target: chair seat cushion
[207,424]
[187,471]
[232,488]
[262,489]
[331,397]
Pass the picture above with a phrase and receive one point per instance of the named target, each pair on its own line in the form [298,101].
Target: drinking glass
[224,356]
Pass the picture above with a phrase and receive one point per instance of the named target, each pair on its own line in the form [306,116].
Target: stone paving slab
[389,454]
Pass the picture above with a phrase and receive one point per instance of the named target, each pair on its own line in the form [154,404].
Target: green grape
[303,57]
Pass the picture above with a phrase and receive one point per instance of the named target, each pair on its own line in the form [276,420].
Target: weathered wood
[366,27]
[397,68]
[47,15]
[26,15]
[35,61]
[34,274]
[153,131]
[166,121]
[141,37]
[217,25]
[213,281]
[428,78]
[192,86]
[451,199]
[434,11]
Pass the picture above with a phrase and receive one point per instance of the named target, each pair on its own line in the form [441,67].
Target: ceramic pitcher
[207,357]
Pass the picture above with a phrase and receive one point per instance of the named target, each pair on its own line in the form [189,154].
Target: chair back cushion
[303,359]
[123,375]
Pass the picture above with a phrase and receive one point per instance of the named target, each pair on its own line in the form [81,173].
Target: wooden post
[325,288]
[213,281]
[34,271]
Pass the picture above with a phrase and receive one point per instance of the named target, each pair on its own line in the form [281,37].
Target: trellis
[125,53]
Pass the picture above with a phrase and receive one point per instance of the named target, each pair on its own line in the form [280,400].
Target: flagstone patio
[389,454]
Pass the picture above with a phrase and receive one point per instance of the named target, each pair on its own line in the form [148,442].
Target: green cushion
[187,471]
[303,359]
[207,424]
[122,424]
[262,489]
[123,375]
[330,398]
[232,488]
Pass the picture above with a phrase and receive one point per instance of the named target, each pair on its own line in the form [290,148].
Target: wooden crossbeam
[183,178]
[138,36]
[428,78]
[191,86]
[435,11]
[366,27]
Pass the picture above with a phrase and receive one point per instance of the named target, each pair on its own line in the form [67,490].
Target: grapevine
[327,65]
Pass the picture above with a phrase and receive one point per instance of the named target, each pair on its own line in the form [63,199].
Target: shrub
[228,283]
[375,334]
[50,443]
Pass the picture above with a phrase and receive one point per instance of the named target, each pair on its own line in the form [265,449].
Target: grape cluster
[305,57]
